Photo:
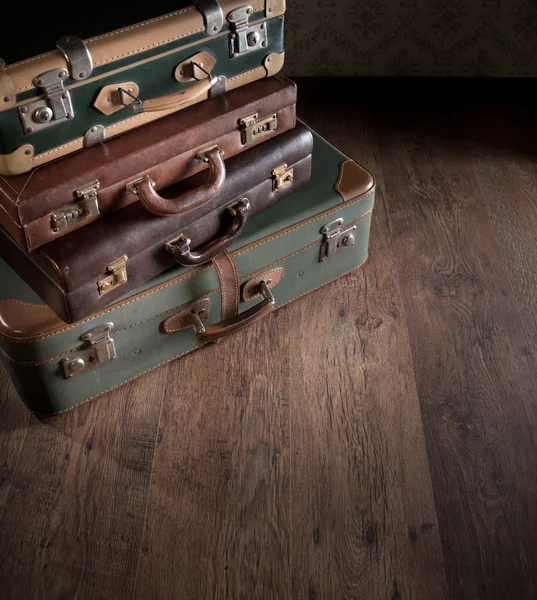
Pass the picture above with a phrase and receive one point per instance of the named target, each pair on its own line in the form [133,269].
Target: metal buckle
[335,240]
[118,275]
[253,128]
[245,38]
[54,108]
[100,349]
[71,214]
[282,177]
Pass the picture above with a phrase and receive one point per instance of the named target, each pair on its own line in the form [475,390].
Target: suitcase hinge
[118,275]
[99,349]
[73,213]
[245,38]
[253,129]
[335,240]
[54,108]
[77,55]
[282,177]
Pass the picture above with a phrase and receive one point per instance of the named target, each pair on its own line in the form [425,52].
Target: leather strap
[229,285]
[213,16]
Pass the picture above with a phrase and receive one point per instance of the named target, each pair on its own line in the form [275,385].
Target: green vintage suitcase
[95,85]
[318,234]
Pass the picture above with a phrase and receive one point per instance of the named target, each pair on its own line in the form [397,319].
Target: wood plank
[74,515]
[14,419]
[363,514]
[218,519]
[505,163]
[476,387]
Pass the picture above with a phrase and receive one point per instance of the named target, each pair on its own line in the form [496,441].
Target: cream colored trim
[109,101]
[274,63]
[123,42]
[275,8]
[8,97]
[17,162]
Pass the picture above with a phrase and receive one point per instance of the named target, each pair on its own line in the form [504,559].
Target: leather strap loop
[229,285]
[188,201]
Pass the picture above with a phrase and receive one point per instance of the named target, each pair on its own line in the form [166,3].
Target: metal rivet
[270,9]
[131,91]
[215,28]
[250,11]
[29,130]
[27,152]
[137,352]
[40,82]
[24,109]
[269,59]
[62,74]
[268,281]
[348,241]
[7,99]
[82,74]
[77,365]
[264,44]
[109,99]
[262,25]
[300,274]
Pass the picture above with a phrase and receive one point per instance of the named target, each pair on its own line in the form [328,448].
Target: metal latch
[118,275]
[54,108]
[245,38]
[253,129]
[71,214]
[77,55]
[99,349]
[335,240]
[281,177]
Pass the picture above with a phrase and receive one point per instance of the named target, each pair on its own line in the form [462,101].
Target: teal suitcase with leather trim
[87,90]
[318,234]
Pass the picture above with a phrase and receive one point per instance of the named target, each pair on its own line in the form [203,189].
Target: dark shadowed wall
[412,37]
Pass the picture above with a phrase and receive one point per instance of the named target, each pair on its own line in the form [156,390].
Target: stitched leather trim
[228,277]
[353,180]
[183,320]
[250,290]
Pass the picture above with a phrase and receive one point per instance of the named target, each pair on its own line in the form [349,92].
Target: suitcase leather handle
[212,333]
[175,101]
[180,247]
[144,188]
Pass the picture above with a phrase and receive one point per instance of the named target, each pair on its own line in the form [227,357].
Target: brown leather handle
[212,333]
[144,188]
[180,247]
[176,101]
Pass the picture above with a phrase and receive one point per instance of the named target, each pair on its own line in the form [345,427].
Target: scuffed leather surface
[65,272]
[165,150]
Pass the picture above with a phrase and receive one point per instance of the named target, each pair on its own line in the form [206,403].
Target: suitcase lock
[336,240]
[99,349]
[245,38]
[75,212]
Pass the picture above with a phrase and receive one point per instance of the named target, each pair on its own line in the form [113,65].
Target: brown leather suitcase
[89,269]
[59,198]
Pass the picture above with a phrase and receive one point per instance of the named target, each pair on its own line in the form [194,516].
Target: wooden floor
[376,439]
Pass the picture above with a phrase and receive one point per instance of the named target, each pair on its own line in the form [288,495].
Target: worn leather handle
[212,333]
[176,101]
[180,247]
[144,188]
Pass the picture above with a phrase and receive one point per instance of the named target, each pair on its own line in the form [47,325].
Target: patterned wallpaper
[412,37]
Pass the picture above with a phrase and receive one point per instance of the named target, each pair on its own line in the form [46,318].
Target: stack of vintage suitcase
[157,192]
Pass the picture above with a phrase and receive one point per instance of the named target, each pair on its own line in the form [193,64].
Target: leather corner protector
[275,8]
[273,63]
[22,320]
[353,181]
[183,319]
[250,289]
[108,100]
[184,74]
[8,97]
[17,162]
